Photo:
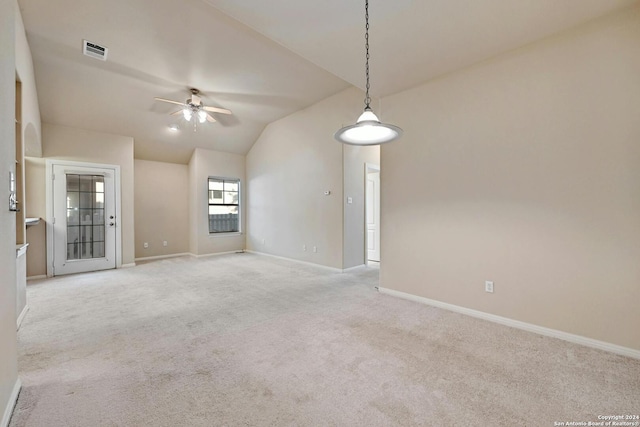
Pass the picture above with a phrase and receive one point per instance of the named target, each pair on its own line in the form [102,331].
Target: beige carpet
[242,340]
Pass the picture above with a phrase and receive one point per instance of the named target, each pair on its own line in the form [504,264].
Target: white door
[373,216]
[84,223]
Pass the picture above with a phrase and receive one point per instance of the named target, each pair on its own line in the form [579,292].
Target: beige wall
[8,339]
[524,170]
[203,164]
[35,173]
[193,205]
[161,208]
[65,143]
[289,168]
[30,114]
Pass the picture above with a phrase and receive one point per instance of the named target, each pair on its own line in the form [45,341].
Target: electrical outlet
[315,249]
[146,245]
[164,243]
[304,248]
[488,286]
[350,200]
[264,241]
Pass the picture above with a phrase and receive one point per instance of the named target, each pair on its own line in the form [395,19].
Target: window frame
[239,205]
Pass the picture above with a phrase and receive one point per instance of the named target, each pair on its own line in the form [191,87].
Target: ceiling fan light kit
[368,130]
[193,109]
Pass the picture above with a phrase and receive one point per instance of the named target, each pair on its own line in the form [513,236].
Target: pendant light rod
[367,98]
[367,130]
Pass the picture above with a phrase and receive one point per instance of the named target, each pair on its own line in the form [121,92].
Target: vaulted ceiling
[261,59]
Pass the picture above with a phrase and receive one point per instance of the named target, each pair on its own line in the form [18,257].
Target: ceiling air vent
[94,50]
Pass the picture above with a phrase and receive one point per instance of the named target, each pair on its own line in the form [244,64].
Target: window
[224,205]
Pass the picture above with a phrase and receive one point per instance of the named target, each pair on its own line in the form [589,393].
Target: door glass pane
[98,217]
[86,183]
[73,251]
[85,216]
[86,200]
[72,217]
[73,199]
[86,251]
[73,234]
[98,233]
[98,202]
[73,182]
[98,249]
[98,184]
[86,234]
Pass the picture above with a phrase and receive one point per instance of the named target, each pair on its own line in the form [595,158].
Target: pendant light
[368,130]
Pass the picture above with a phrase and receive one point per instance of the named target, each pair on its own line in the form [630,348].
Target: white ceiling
[261,59]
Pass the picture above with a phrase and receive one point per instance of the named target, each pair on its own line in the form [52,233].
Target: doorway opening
[372,214]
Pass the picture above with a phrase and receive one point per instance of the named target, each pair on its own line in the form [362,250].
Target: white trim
[335,270]
[357,267]
[216,254]
[226,234]
[553,333]
[42,276]
[21,317]
[13,399]
[21,249]
[130,265]
[150,258]
[373,166]
[50,163]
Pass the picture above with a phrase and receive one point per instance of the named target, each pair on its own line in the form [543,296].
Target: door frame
[369,168]
[50,215]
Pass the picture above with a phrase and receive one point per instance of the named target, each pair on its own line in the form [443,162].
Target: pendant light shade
[368,129]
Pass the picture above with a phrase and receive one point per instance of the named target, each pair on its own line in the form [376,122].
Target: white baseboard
[129,265]
[151,258]
[42,276]
[21,317]
[13,399]
[216,254]
[357,267]
[576,339]
[335,270]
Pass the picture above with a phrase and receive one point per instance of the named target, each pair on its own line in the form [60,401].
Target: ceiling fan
[193,108]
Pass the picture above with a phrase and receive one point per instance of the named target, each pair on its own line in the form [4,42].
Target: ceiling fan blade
[177,113]
[210,118]
[217,110]
[170,101]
